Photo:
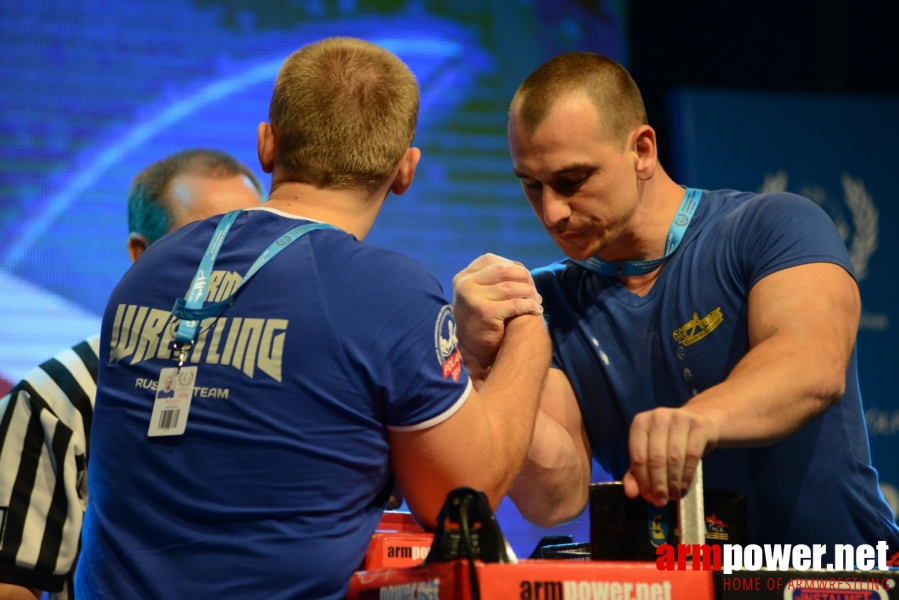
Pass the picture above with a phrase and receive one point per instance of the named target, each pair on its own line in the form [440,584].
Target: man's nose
[555,208]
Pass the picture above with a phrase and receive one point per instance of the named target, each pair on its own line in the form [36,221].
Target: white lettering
[777,557]
[615,590]
[882,548]
[818,551]
[844,555]
[752,557]
[864,557]
[411,591]
[801,554]
[732,559]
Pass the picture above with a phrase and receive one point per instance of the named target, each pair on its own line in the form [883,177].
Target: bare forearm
[802,325]
[778,387]
[511,395]
[484,444]
[478,368]
[553,485]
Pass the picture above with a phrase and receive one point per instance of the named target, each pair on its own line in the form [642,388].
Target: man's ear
[405,171]
[265,146]
[137,244]
[646,152]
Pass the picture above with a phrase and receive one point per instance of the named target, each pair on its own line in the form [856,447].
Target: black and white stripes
[45,424]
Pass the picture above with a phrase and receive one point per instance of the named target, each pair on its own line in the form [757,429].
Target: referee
[45,420]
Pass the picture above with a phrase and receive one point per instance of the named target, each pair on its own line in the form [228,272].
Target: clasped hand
[487,293]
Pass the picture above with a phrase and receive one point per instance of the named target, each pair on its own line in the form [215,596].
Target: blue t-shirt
[282,474]
[626,354]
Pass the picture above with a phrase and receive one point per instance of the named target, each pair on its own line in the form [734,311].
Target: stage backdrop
[95,90]
[839,151]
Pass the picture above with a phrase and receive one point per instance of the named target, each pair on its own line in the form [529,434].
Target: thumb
[631,489]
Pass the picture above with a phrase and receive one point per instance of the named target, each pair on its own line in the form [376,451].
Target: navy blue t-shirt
[282,474]
[625,354]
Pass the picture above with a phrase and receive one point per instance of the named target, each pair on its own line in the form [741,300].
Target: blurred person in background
[45,420]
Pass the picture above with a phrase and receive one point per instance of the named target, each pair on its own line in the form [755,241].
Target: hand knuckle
[657,459]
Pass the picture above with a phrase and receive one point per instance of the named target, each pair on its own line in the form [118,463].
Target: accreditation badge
[174,391]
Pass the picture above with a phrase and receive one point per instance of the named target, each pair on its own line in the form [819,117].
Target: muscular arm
[484,444]
[802,327]
[554,485]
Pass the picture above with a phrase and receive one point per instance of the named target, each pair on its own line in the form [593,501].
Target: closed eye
[568,186]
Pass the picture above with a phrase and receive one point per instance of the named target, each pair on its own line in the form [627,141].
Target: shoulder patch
[446,344]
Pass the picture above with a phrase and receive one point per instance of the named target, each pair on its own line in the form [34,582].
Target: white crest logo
[865,229]
[445,339]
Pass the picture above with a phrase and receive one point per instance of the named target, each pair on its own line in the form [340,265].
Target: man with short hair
[45,421]
[167,391]
[187,186]
[685,323]
[322,365]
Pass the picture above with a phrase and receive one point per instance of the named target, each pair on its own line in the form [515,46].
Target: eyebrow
[563,171]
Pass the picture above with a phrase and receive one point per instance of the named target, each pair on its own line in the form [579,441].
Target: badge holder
[467,528]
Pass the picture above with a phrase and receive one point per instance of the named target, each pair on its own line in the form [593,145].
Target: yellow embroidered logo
[697,328]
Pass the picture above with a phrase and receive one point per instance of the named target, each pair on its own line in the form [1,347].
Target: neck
[645,235]
[352,210]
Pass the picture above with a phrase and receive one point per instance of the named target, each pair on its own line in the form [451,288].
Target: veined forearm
[778,387]
[511,395]
[554,484]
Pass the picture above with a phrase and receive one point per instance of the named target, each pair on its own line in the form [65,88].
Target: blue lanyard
[191,310]
[679,226]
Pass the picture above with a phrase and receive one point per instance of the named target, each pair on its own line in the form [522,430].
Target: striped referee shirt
[45,424]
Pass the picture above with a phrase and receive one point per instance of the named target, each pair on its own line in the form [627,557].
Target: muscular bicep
[817,304]
[554,486]
[559,403]
[429,463]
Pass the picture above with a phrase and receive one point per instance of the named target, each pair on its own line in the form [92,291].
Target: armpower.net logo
[773,557]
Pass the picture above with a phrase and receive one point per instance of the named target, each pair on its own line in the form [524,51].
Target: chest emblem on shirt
[658,525]
[697,328]
[446,344]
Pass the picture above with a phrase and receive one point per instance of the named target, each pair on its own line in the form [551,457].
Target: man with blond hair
[322,365]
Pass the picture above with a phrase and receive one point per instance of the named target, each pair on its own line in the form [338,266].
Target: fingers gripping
[665,446]
[494,289]
[487,293]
